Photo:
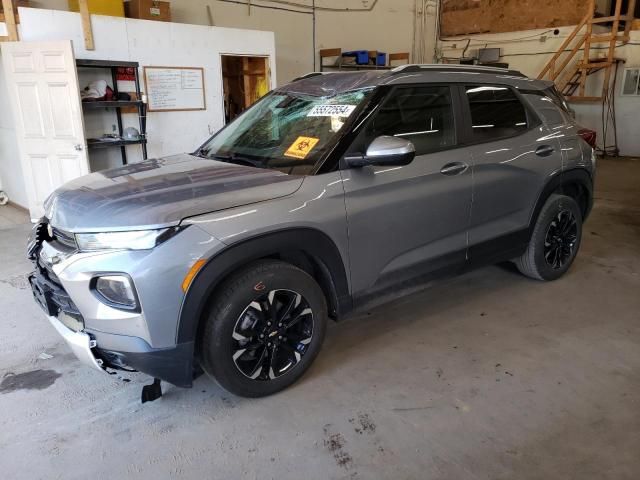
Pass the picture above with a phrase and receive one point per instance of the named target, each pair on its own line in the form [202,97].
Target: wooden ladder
[573,62]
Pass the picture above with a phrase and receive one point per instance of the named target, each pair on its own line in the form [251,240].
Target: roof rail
[456,68]
[308,75]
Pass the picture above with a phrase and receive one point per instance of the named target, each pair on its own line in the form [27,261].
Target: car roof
[327,84]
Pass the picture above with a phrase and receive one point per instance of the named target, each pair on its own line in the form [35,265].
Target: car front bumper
[104,337]
[103,351]
[80,344]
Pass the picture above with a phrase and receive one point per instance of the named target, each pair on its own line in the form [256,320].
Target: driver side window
[421,114]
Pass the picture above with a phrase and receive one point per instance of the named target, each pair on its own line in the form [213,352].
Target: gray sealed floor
[487,376]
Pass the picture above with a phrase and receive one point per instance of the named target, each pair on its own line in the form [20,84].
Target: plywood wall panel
[464,17]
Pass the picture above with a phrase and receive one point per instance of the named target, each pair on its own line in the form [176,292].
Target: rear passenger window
[423,115]
[496,112]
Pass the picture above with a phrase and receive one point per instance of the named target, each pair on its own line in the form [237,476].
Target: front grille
[59,295]
[45,274]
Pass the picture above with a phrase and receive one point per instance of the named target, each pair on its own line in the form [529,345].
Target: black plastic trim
[312,242]
[173,365]
[505,247]
[576,175]
[391,285]
[458,69]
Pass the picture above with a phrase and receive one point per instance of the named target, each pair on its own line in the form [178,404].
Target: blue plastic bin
[381,59]
[361,56]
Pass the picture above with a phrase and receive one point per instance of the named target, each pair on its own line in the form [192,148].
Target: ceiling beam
[10,20]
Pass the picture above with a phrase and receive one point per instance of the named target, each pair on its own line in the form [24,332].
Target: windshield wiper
[234,158]
[203,153]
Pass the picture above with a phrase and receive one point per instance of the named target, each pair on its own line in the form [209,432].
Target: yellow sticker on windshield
[301,147]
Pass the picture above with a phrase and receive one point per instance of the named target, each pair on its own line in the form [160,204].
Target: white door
[43,87]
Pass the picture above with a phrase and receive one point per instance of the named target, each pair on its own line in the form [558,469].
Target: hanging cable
[608,117]
[302,6]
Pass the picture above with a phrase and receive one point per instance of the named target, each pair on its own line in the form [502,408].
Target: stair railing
[554,70]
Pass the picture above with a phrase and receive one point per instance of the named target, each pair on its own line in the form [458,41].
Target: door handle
[545,150]
[77,147]
[455,168]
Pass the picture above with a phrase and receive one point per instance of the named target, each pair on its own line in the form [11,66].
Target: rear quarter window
[549,107]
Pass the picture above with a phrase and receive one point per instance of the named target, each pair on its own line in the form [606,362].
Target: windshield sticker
[301,147]
[331,111]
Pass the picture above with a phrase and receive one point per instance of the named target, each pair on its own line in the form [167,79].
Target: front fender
[313,242]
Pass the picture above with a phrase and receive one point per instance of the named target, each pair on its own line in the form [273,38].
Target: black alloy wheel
[560,239]
[555,240]
[272,334]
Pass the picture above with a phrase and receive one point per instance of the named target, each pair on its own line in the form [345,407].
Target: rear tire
[265,327]
[555,240]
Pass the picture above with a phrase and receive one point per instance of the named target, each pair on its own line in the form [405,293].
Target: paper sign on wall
[174,88]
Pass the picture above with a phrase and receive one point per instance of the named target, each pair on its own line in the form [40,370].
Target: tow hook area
[151,392]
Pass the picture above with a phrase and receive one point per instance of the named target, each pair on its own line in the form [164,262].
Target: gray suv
[328,193]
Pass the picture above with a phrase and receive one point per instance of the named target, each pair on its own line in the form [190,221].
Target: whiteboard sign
[170,89]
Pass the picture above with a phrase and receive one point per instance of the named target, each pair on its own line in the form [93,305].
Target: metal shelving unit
[117,105]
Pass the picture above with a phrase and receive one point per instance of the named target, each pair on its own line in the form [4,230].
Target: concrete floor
[11,216]
[487,376]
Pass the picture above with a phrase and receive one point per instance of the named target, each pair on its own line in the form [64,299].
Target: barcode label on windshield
[331,111]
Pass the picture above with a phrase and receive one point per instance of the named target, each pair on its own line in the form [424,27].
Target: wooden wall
[464,17]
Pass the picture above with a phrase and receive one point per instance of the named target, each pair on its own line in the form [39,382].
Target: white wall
[526,52]
[389,27]
[160,44]
[11,177]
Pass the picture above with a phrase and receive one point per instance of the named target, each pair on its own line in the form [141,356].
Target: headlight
[117,290]
[134,240]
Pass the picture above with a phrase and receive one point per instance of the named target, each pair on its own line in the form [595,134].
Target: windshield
[289,132]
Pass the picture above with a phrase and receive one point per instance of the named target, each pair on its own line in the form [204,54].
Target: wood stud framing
[10,21]
[86,25]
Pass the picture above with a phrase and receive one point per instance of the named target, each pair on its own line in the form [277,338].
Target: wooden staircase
[575,59]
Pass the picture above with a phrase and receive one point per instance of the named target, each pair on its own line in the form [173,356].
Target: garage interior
[486,375]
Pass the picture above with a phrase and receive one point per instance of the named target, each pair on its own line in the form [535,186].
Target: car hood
[161,192]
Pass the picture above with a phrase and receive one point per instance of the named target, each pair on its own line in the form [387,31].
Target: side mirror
[385,150]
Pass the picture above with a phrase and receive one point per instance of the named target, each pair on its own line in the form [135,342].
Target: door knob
[544,150]
[454,168]
[77,147]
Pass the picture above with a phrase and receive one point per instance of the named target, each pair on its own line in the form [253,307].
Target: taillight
[589,136]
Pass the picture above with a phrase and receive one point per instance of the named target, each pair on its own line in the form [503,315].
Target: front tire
[265,327]
[555,240]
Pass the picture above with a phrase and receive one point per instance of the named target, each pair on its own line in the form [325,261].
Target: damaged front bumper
[101,335]
[80,344]
[104,351]
[52,300]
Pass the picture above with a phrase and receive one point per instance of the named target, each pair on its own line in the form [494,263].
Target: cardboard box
[148,10]
[113,8]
